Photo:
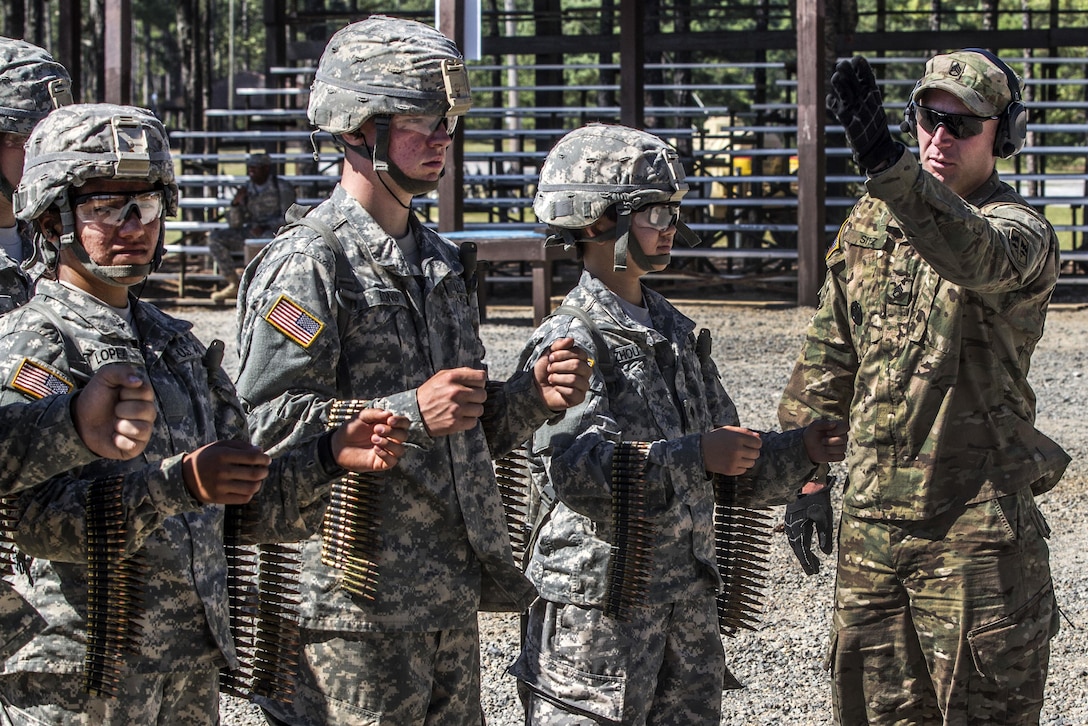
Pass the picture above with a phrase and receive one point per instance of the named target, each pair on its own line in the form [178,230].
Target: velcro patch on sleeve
[38,380]
[294,321]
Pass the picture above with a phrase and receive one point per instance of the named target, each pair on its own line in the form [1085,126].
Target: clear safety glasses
[425,125]
[962,126]
[658,216]
[111,210]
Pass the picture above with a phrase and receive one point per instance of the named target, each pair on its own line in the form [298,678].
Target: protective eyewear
[658,216]
[111,210]
[426,125]
[959,125]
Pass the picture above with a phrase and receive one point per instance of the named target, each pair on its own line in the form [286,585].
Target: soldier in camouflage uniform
[31,85]
[392,317]
[70,430]
[936,296]
[614,192]
[98,182]
[257,210]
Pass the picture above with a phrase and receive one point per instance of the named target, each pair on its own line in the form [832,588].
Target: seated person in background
[256,211]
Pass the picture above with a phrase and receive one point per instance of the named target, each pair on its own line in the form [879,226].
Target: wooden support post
[632,55]
[451,187]
[68,49]
[811,145]
[118,52]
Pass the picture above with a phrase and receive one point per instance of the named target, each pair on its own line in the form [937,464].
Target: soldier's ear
[49,225]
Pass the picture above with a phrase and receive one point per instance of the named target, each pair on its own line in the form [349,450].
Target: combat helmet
[600,166]
[31,85]
[94,141]
[381,67]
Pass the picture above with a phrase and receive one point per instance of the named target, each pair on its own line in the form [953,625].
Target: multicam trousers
[946,621]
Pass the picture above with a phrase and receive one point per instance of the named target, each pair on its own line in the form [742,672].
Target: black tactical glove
[810,511]
[855,101]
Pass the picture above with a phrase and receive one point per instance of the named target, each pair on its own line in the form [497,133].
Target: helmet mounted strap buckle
[131,146]
[60,92]
[455,77]
[380,157]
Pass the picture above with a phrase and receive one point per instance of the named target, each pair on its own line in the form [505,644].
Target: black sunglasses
[959,125]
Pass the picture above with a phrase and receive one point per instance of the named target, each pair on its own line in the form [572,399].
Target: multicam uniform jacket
[378,336]
[665,394]
[185,623]
[926,325]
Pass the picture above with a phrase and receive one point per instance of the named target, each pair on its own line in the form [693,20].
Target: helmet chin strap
[6,188]
[379,157]
[625,249]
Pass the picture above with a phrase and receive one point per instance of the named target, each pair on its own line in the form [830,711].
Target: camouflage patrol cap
[969,76]
[387,66]
[31,85]
[599,165]
[93,141]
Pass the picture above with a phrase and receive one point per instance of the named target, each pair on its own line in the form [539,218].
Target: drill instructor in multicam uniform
[936,295]
[388,315]
[98,182]
[597,648]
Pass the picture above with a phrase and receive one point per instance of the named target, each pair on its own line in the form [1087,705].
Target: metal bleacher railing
[741,157]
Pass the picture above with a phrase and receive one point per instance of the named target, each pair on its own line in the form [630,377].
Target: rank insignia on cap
[39,381]
[292,320]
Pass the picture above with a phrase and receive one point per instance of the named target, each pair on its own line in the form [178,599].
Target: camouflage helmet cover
[31,85]
[93,141]
[599,165]
[386,66]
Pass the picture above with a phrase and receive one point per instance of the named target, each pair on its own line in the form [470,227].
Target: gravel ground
[780,664]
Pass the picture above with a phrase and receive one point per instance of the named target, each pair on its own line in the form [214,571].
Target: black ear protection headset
[1012,124]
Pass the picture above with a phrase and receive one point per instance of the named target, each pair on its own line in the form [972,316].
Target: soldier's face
[132,242]
[963,164]
[655,229]
[417,145]
[11,157]
[258,173]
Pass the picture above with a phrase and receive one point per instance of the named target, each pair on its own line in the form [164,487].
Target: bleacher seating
[743,197]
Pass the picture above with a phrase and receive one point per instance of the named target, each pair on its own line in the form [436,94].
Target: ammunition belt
[350,538]
[115,590]
[512,476]
[630,562]
[742,537]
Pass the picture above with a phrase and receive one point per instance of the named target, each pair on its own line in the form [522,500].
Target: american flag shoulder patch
[294,321]
[38,380]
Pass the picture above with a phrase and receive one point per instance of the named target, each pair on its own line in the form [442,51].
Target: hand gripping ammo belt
[630,563]
[350,529]
[264,621]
